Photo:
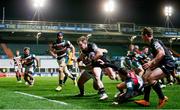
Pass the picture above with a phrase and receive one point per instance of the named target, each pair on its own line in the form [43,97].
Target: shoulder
[33,55]
[67,42]
[93,45]
[156,44]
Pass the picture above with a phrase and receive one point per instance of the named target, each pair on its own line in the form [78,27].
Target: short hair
[82,38]
[60,34]
[122,71]
[26,48]
[147,30]
[145,47]
[136,47]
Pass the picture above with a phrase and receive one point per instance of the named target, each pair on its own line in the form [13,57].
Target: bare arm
[99,53]
[73,51]
[37,60]
[155,61]
[53,53]
[160,55]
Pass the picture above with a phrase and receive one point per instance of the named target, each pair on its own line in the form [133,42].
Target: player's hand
[74,58]
[147,65]
[100,61]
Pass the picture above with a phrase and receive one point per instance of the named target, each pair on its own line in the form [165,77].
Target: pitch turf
[45,87]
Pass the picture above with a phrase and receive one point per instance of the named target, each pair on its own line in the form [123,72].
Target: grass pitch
[45,96]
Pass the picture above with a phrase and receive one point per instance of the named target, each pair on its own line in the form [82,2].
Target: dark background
[141,12]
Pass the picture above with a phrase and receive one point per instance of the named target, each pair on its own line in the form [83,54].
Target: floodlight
[109,6]
[168,11]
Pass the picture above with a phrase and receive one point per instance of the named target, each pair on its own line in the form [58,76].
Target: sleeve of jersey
[157,45]
[68,43]
[94,47]
[33,56]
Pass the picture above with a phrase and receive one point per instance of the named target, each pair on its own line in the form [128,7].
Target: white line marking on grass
[39,97]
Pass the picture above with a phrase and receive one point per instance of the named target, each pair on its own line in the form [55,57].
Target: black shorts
[168,67]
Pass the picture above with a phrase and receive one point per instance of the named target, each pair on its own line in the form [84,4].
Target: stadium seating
[39,49]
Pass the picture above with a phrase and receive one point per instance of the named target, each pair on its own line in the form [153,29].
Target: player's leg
[61,78]
[31,72]
[67,72]
[26,78]
[110,72]
[66,76]
[97,73]
[61,74]
[147,90]
[121,86]
[29,75]
[17,74]
[81,81]
[154,76]
[152,79]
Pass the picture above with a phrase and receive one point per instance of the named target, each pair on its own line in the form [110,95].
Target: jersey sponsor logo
[157,46]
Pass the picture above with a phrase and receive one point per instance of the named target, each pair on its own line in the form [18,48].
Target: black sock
[82,91]
[158,90]
[25,77]
[162,80]
[60,82]
[81,88]
[65,78]
[31,78]
[147,90]
[19,77]
[101,91]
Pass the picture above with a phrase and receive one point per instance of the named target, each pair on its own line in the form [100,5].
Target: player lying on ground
[131,82]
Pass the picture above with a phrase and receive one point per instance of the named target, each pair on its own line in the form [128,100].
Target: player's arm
[53,53]
[22,60]
[52,50]
[73,50]
[155,61]
[37,61]
[160,55]
[99,53]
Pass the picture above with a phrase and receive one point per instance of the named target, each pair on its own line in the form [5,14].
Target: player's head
[82,42]
[17,52]
[131,47]
[60,35]
[26,50]
[145,49]
[122,73]
[136,47]
[147,34]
